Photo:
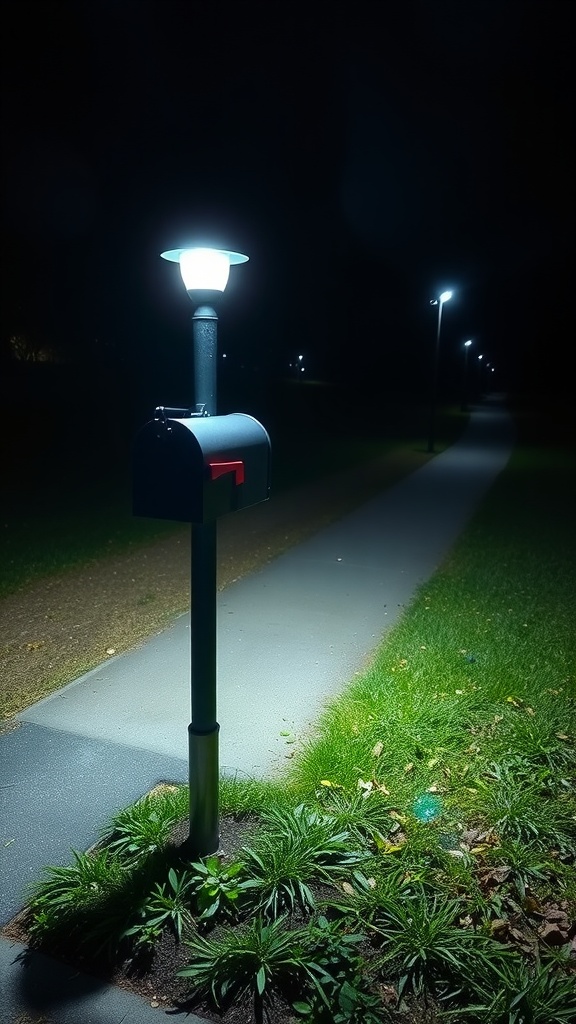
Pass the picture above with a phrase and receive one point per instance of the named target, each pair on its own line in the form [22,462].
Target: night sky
[364,158]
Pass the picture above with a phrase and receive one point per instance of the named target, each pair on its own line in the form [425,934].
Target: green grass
[449,767]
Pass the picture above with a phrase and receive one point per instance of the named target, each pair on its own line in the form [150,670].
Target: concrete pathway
[290,637]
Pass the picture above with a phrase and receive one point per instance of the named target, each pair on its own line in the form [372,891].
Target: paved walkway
[290,637]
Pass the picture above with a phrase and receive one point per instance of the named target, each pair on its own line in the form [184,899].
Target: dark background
[365,156]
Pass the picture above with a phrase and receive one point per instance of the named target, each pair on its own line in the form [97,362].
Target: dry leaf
[499,926]
[366,786]
[349,889]
[408,767]
[377,749]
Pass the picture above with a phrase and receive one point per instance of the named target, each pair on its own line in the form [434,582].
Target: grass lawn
[417,864]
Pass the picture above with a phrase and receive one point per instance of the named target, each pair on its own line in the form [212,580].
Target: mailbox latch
[217,469]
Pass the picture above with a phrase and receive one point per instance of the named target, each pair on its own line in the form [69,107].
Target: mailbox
[194,469]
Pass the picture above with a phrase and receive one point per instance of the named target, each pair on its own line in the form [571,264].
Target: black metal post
[464,406]
[203,730]
[434,382]
[203,759]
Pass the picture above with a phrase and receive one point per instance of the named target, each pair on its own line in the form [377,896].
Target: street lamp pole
[464,405]
[205,275]
[444,297]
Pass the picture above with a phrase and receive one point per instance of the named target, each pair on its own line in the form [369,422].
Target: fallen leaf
[531,905]
[110,650]
[408,767]
[499,926]
[330,785]
[397,816]
[387,848]
[349,889]
[388,994]
[562,736]
[377,749]
[552,934]
[367,786]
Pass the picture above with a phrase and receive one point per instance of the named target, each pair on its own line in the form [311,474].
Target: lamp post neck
[205,336]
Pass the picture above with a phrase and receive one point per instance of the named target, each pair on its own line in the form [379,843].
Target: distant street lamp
[205,274]
[444,297]
[464,405]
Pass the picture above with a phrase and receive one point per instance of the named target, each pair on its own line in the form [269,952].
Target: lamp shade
[445,296]
[204,269]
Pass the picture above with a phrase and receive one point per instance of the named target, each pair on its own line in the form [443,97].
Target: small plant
[168,904]
[263,960]
[360,896]
[510,992]
[294,848]
[364,815]
[514,806]
[145,826]
[217,887]
[526,864]
[344,997]
[425,948]
[88,901]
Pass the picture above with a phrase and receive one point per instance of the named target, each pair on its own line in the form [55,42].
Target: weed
[294,848]
[218,888]
[262,959]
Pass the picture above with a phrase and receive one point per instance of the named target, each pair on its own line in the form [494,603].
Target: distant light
[223,355]
[467,344]
[445,296]
[301,369]
[204,269]
[480,357]
[300,357]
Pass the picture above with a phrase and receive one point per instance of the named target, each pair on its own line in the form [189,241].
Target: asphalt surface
[289,638]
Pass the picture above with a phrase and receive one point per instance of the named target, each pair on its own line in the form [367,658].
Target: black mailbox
[195,469]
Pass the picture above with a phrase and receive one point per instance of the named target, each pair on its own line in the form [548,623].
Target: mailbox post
[194,466]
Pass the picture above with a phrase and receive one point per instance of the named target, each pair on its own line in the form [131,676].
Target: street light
[205,274]
[464,405]
[442,298]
